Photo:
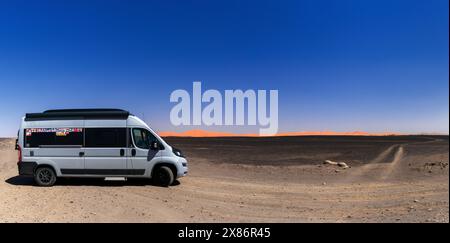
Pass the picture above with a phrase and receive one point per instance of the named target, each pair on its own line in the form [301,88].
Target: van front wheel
[44,176]
[163,176]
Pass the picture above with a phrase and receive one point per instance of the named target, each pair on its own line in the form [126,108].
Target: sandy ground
[404,181]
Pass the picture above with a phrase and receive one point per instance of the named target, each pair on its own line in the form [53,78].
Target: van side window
[143,138]
[105,137]
[35,137]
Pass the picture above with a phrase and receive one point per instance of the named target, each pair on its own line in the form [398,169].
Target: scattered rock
[430,165]
[340,164]
[343,165]
[416,201]
[329,162]
[324,183]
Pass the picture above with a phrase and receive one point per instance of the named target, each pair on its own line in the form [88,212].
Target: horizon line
[206,133]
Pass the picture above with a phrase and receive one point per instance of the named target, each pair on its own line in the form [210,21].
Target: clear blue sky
[338,65]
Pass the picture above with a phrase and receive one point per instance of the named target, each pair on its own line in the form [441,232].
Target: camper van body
[94,143]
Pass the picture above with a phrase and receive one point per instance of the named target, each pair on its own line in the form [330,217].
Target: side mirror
[154,145]
[17,144]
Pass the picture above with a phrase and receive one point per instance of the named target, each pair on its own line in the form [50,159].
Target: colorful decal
[58,131]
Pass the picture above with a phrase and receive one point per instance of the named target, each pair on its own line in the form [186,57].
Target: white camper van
[94,143]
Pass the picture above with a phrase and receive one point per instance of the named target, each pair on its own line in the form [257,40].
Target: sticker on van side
[36,137]
[58,131]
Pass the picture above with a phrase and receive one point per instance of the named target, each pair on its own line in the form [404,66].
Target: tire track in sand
[375,169]
[391,167]
[364,170]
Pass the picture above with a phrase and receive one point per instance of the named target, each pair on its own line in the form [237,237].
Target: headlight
[177,152]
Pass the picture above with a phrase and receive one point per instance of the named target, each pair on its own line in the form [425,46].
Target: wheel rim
[45,176]
[163,176]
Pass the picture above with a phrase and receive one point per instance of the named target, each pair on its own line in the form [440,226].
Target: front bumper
[183,168]
[26,168]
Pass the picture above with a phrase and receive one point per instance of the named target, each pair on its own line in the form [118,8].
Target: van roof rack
[78,114]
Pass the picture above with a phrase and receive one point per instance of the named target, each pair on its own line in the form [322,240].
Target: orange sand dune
[204,133]
[196,133]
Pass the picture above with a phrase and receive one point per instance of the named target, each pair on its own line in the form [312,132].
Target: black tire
[45,176]
[163,176]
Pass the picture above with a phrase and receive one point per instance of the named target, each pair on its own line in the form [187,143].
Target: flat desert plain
[236,179]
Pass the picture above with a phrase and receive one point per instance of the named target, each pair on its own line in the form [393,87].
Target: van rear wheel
[45,176]
[163,176]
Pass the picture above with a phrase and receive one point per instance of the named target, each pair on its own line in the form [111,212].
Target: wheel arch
[171,166]
[48,163]
[46,166]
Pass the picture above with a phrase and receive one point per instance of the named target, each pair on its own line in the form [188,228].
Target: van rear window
[35,137]
[105,137]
